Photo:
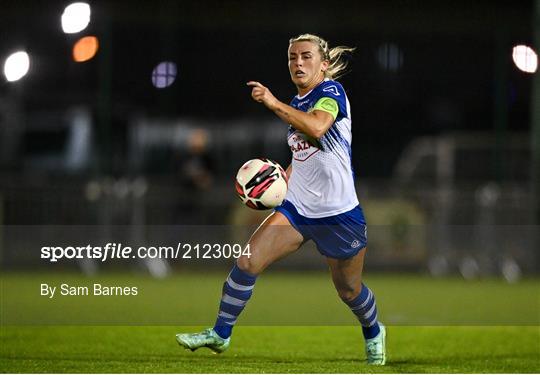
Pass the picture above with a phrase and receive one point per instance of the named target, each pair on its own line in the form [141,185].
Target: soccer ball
[261,184]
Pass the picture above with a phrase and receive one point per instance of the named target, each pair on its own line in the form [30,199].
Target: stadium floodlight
[85,48]
[164,74]
[16,66]
[525,58]
[75,18]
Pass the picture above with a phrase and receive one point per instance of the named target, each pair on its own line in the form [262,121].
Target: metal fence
[478,232]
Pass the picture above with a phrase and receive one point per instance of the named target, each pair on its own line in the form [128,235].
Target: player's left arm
[314,123]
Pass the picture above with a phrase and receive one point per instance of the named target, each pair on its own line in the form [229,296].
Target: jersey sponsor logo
[332,89]
[299,104]
[302,148]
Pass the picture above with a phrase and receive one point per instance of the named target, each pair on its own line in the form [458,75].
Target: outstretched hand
[313,124]
[262,94]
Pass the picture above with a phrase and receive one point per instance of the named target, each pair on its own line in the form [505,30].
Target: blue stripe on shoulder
[334,90]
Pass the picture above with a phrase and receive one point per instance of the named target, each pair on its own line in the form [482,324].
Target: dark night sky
[446,82]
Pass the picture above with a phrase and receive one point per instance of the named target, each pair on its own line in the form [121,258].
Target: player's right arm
[289,171]
[313,124]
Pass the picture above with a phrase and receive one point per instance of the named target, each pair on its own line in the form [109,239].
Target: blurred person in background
[197,167]
[196,175]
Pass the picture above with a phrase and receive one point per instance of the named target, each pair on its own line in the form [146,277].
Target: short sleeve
[328,105]
[334,90]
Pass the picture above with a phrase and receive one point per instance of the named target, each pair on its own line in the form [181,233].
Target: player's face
[306,65]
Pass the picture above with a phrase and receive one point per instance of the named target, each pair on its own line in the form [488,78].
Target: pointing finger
[254,84]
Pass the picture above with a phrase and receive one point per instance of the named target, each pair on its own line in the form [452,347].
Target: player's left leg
[347,278]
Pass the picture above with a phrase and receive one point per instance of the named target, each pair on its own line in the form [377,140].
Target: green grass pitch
[294,324]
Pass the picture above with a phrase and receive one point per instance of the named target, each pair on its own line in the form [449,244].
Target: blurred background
[136,114]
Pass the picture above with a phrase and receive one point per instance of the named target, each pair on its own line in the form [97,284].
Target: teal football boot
[207,338]
[376,348]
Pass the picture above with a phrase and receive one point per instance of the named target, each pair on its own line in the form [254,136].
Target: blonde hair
[337,66]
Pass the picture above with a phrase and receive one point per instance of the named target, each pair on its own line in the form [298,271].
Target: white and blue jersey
[321,201]
[322,181]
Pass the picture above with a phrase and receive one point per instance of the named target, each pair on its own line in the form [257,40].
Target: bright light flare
[164,74]
[525,58]
[85,48]
[75,18]
[16,66]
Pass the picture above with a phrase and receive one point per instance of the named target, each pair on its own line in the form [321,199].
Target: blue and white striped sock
[365,309]
[237,290]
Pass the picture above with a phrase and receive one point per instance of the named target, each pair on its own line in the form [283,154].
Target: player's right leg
[274,239]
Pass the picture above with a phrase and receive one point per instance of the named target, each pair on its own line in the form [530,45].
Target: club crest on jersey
[332,89]
[301,146]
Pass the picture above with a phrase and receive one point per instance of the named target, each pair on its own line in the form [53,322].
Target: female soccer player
[321,202]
